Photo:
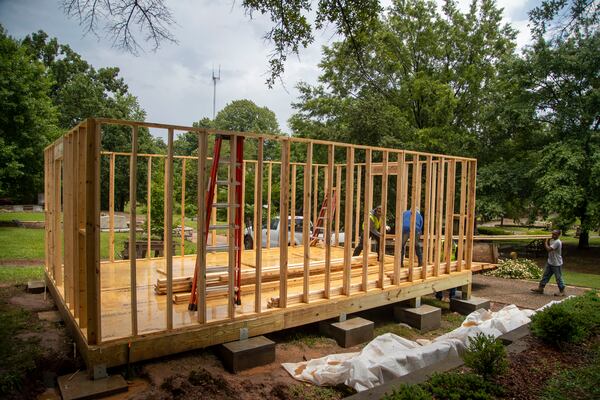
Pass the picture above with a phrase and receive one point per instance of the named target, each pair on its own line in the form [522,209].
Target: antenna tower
[215,78]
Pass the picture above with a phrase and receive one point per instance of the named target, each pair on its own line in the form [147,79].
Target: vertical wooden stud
[258,226]
[357,216]
[471,212]
[400,198]
[338,200]
[133,228]
[111,208]
[149,210]
[306,207]
[450,184]
[269,185]
[283,222]
[439,207]
[366,219]
[426,216]
[349,190]
[382,229]
[329,218]
[168,217]
[293,209]
[182,242]
[201,227]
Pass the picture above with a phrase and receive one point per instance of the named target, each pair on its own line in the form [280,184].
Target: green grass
[580,279]
[17,275]
[21,244]
[21,216]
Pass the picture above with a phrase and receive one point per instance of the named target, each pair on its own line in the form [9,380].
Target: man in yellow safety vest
[375,222]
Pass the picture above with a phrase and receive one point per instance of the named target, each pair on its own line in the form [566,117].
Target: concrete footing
[466,307]
[424,318]
[249,353]
[36,286]
[350,332]
[80,386]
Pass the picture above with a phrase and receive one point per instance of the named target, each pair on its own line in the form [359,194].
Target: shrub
[520,268]
[491,230]
[486,356]
[557,325]
[408,392]
[457,386]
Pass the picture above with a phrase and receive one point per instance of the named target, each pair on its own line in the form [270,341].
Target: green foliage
[22,244]
[570,321]
[486,356]
[22,216]
[27,121]
[310,392]
[18,275]
[491,230]
[578,383]
[520,268]
[408,392]
[457,386]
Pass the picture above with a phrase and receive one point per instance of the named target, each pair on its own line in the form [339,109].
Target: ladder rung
[221,226]
[220,247]
[226,182]
[225,205]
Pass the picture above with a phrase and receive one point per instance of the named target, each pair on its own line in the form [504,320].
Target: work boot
[539,290]
[560,293]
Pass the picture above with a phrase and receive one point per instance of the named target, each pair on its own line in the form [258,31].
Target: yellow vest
[376,221]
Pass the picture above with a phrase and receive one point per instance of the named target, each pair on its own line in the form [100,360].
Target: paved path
[514,291]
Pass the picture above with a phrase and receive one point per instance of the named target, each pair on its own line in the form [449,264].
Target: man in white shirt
[553,265]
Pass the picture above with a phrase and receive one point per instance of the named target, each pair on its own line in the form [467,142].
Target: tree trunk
[584,239]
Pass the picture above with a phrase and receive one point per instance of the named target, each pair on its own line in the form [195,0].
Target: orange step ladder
[320,223]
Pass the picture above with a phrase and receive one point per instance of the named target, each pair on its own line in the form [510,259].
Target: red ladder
[319,226]
[236,199]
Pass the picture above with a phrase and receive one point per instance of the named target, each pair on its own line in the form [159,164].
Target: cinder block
[424,318]
[466,307]
[80,386]
[36,286]
[352,332]
[245,354]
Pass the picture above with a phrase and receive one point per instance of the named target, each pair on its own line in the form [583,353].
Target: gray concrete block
[352,332]
[425,318]
[80,386]
[51,316]
[466,307]
[245,354]
[36,286]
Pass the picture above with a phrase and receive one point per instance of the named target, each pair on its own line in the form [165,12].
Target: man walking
[553,265]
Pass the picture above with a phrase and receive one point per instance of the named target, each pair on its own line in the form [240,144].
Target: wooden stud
[432,213]
[81,286]
[149,210]
[284,200]
[111,209]
[306,207]
[58,274]
[293,209]
[243,206]
[269,185]
[258,226]
[133,228]
[439,207]
[461,222]
[349,190]
[366,219]
[400,199]
[450,184]
[427,216]
[92,232]
[414,201]
[316,195]
[213,218]
[231,241]
[169,225]
[471,213]
[338,200]
[67,218]
[382,228]
[201,228]
[328,218]
[182,243]
[75,220]
[357,216]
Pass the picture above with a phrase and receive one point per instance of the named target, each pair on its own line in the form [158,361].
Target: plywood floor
[152,308]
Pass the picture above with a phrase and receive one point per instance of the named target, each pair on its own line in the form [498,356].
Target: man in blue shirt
[406,216]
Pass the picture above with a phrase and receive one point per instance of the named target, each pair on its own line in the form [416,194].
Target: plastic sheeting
[389,356]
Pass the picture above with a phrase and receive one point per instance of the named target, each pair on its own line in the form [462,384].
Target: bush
[408,392]
[491,230]
[486,356]
[570,321]
[457,386]
[520,268]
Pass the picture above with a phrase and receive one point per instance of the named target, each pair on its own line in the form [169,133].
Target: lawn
[20,275]
[21,216]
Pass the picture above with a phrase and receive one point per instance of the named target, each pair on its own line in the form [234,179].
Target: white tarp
[389,356]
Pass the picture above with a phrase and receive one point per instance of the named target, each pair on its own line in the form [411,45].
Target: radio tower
[215,78]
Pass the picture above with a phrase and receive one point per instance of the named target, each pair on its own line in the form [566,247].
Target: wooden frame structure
[114,307]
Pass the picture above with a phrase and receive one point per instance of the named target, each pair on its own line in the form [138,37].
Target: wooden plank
[293,208]
[243,206]
[367,209]
[306,207]
[439,207]
[149,210]
[182,238]
[450,184]
[382,229]
[67,218]
[357,216]
[231,241]
[471,213]
[169,225]
[329,217]
[269,185]
[416,193]
[81,311]
[400,200]
[75,219]
[461,222]
[111,209]
[132,229]
[201,228]
[258,225]
[338,200]
[427,213]
[349,191]
[58,239]
[92,231]
[284,204]
[316,195]
[213,219]
[433,214]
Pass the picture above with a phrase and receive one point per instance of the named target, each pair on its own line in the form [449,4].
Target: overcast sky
[174,84]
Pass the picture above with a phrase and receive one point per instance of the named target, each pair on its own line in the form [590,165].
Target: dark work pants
[359,247]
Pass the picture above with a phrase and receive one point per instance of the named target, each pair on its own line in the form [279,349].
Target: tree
[27,121]
[291,29]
